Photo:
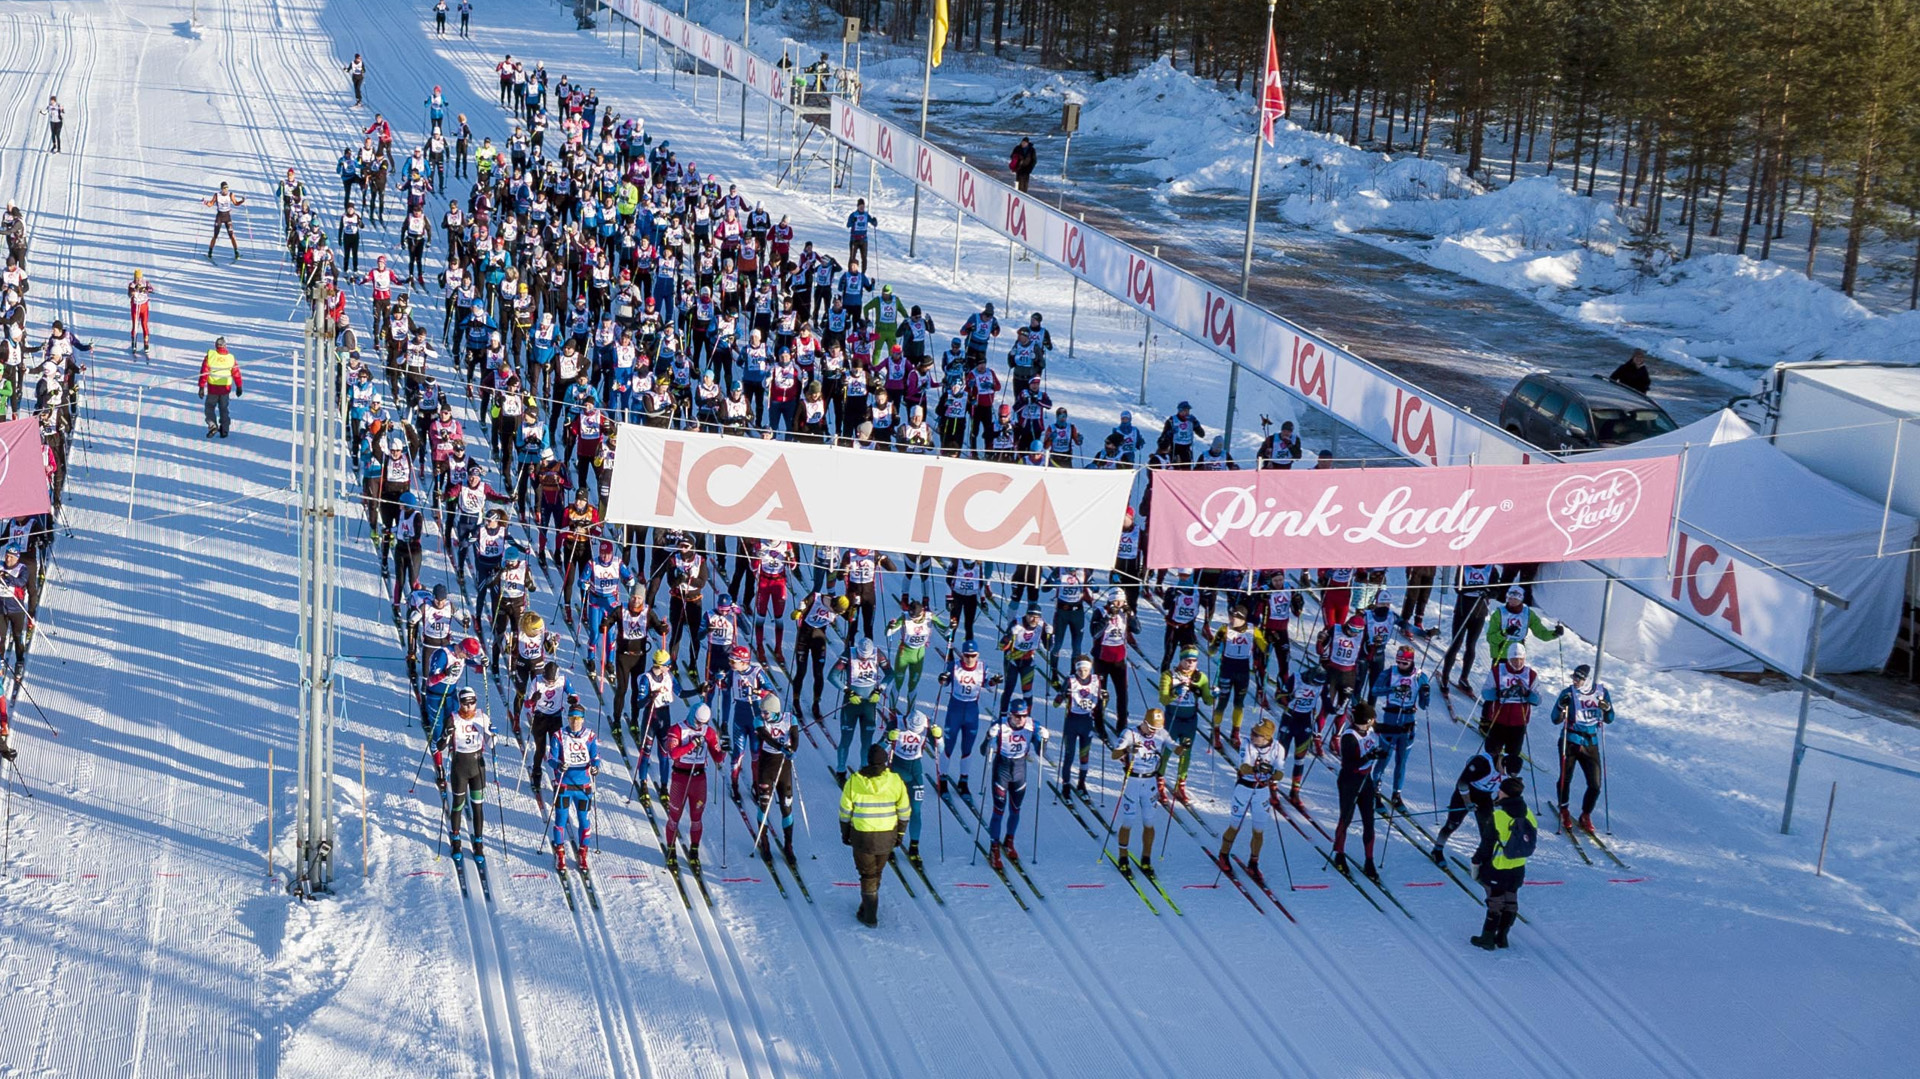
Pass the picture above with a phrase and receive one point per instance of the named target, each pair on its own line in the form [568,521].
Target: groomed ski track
[139,934]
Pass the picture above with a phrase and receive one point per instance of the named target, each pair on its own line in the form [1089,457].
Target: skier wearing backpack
[1502,862]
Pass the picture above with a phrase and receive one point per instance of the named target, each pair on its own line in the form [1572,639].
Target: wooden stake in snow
[1820,867]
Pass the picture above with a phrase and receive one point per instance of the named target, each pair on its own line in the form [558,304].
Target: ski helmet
[662,658]
[970,648]
[468,696]
[1153,720]
[1518,651]
[740,654]
[1017,707]
[1516,592]
[471,646]
[866,649]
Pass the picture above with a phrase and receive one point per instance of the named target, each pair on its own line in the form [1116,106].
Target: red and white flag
[1273,96]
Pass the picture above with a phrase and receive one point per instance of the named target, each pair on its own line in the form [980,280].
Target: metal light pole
[1069,123]
[926,88]
[321,442]
[746,42]
[1253,204]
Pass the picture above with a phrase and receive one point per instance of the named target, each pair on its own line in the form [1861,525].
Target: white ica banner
[843,497]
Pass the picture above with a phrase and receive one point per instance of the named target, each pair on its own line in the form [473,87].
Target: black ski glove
[846,833]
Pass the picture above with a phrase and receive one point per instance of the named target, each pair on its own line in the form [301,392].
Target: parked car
[1558,413]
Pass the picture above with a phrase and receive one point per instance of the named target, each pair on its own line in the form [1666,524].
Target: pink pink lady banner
[1412,516]
[23,470]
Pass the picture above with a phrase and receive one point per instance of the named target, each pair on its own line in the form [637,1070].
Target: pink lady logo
[1394,521]
[1074,245]
[1587,509]
[968,199]
[885,139]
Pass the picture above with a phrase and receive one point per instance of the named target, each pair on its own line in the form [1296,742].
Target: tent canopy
[1742,489]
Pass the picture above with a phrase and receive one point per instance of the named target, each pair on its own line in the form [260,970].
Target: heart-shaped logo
[1587,509]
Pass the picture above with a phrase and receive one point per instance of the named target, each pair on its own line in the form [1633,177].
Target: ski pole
[760,832]
[36,706]
[1125,776]
[1167,835]
[979,819]
[805,822]
[1606,791]
[939,817]
[417,767]
[1526,736]
[1433,782]
[1235,828]
[1273,812]
[723,828]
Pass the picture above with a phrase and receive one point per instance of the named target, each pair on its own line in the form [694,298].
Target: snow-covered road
[140,935]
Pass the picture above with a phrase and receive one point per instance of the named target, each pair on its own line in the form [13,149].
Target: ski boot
[1080,784]
[993,857]
[1146,863]
[1489,938]
[1180,792]
[1370,872]
[1225,861]
[1439,856]
[786,846]
[1465,686]
[1586,823]
[1253,871]
[453,847]
[1126,864]
[1011,854]
[840,777]
[913,852]
[940,786]
[1233,739]
[1566,820]
[1399,803]
[965,791]
[580,854]
[1340,861]
[560,858]
[693,859]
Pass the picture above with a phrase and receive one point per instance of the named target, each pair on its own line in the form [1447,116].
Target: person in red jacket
[691,746]
[219,379]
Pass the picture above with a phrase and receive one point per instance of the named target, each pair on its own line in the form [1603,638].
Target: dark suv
[1557,413]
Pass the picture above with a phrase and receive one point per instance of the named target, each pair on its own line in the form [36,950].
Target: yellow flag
[939,29]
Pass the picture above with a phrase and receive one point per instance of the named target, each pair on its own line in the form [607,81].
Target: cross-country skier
[875,813]
[911,740]
[1473,790]
[1473,588]
[1084,698]
[1259,767]
[1502,861]
[573,760]
[1360,753]
[1513,621]
[1406,690]
[691,745]
[1580,711]
[966,679]
[1507,702]
[814,616]
[546,706]
[737,693]
[916,629]
[1023,642]
[1183,689]
[1144,751]
[223,201]
[1242,650]
[776,738]
[442,672]
[467,736]
[140,292]
[864,671]
[1008,744]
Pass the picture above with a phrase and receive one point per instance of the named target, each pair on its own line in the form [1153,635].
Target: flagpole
[926,88]
[1253,206]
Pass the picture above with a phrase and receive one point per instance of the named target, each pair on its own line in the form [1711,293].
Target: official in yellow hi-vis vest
[874,811]
[1501,861]
[219,379]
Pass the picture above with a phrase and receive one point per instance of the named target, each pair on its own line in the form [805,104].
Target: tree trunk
[1719,200]
[1593,163]
[1819,204]
[1754,169]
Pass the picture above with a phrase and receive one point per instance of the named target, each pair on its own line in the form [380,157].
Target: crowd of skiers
[586,275]
[51,366]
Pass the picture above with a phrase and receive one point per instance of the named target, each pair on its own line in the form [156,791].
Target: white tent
[1740,487]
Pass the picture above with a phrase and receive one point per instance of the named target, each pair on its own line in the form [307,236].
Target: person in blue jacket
[573,760]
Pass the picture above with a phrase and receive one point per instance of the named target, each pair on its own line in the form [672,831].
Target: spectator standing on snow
[1022,162]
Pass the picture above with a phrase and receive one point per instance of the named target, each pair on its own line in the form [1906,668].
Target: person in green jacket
[916,629]
[1512,622]
[874,812]
[1501,862]
[1183,689]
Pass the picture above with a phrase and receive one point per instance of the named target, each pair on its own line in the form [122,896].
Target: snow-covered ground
[1183,142]
[140,933]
